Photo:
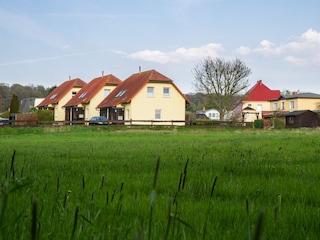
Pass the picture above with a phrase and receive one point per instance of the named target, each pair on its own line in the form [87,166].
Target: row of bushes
[276,123]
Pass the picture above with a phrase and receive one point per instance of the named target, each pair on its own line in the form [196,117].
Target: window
[291,120]
[282,105]
[259,108]
[157,115]
[53,96]
[83,95]
[106,92]
[74,93]
[150,91]
[120,94]
[291,104]
[166,92]
[275,106]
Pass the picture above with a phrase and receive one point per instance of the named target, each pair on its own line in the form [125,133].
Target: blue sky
[43,42]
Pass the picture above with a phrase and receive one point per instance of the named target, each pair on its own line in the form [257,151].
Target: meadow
[82,182]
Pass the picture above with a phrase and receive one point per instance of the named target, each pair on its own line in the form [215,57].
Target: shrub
[278,123]
[45,115]
[258,123]
[5,114]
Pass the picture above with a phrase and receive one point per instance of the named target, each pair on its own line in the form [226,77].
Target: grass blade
[34,221]
[75,222]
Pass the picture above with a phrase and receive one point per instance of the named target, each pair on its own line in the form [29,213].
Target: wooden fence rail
[195,123]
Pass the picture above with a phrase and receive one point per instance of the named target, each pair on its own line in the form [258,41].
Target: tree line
[8,91]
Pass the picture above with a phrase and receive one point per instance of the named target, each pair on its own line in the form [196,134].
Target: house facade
[83,105]
[213,114]
[59,96]
[256,101]
[145,96]
[296,101]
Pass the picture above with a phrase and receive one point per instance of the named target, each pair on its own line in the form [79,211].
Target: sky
[47,42]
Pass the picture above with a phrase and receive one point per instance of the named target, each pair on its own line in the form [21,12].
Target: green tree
[223,80]
[14,105]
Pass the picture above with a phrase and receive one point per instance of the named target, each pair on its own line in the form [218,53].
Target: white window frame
[158,114]
[275,106]
[291,104]
[166,94]
[106,92]
[259,107]
[150,91]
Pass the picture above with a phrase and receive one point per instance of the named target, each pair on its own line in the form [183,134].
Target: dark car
[99,120]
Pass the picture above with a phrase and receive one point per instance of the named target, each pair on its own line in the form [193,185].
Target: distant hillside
[6,92]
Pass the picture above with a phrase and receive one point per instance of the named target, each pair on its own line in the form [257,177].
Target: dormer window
[83,94]
[120,94]
[53,96]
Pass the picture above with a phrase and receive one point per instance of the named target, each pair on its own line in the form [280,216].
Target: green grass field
[115,183]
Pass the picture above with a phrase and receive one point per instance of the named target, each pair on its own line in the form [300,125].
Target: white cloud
[178,55]
[305,50]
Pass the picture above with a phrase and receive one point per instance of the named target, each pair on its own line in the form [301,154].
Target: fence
[194,123]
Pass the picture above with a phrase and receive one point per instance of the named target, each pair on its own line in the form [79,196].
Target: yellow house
[257,102]
[83,105]
[145,96]
[296,101]
[60,96]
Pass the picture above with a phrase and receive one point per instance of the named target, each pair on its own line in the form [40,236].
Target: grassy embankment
[98,183]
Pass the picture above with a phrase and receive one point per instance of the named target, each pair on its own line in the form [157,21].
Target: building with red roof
[83,105]
[256,101]
[60,96]
[145,95]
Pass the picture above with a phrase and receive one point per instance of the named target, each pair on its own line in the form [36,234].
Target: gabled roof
[126,91]
[90,90]
[260,92]
[59,92]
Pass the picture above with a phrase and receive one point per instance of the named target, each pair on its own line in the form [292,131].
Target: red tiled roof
[91,89]
[260,92]
[132,85]
[59,92]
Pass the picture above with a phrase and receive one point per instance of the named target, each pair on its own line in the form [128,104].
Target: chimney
[294,93]
[260,81]
[69,77]
[102,73]
[139,69]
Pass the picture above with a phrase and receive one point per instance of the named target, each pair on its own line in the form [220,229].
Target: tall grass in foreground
[93,183]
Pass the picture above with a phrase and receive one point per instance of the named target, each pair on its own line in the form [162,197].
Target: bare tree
[223,80]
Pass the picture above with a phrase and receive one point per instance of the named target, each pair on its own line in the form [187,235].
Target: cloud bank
[304,51]
[178,55]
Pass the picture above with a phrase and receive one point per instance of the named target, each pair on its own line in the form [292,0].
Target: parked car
[99,120]
[4,121]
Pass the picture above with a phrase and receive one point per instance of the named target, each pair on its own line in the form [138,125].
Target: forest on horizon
[7,91]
